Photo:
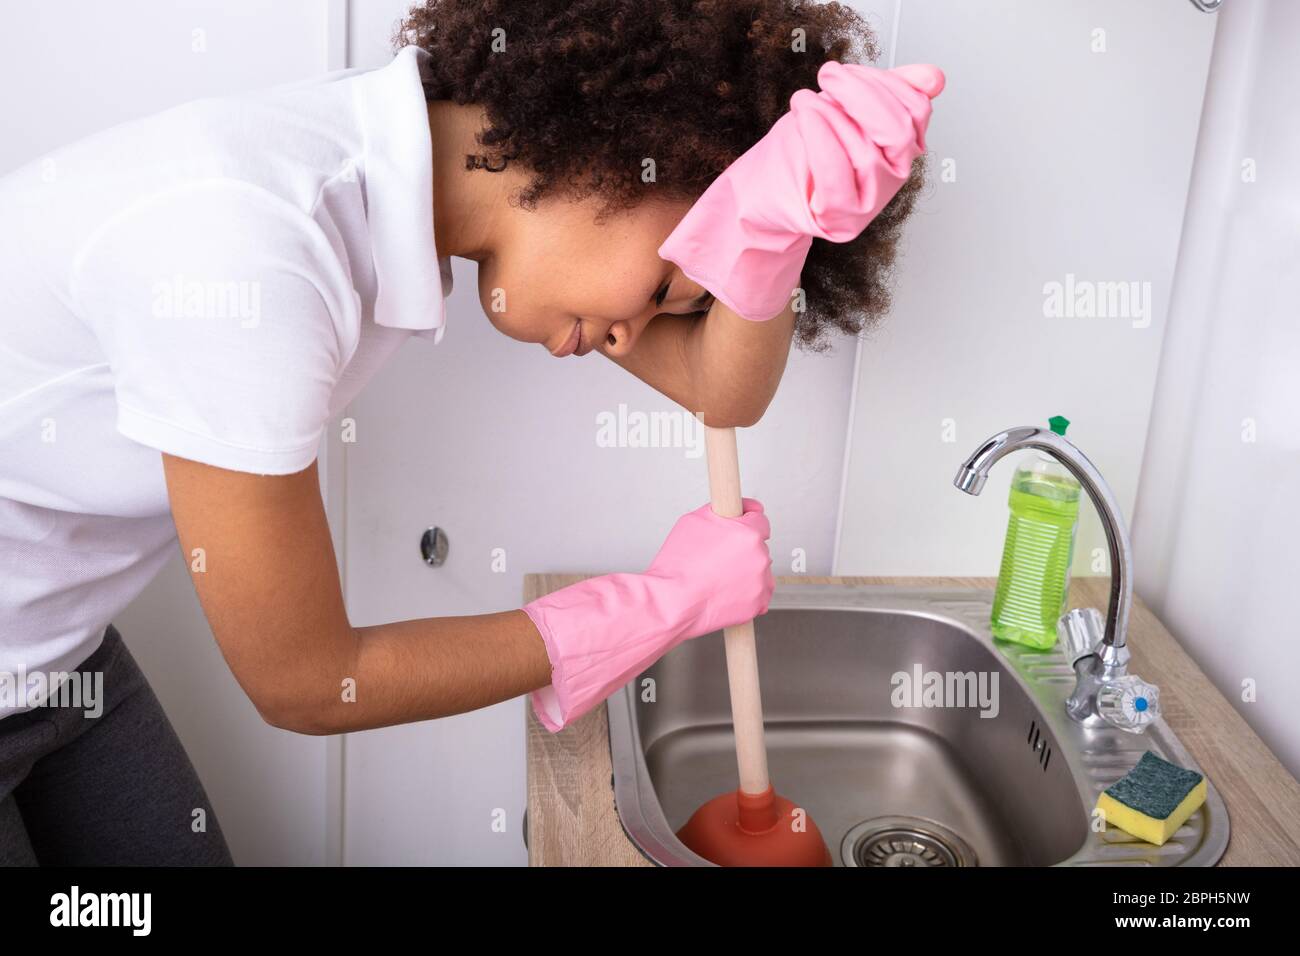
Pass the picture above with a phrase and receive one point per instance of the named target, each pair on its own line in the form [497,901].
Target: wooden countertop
[572,820]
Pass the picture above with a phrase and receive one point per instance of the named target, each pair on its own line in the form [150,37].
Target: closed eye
[699,304]
[702,301]
[662,293]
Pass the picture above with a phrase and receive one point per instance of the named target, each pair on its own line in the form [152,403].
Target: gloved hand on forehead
[825,169]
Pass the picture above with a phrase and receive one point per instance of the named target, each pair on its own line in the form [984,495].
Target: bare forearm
[420,670]
[737,364]
[263,566]
[720,365]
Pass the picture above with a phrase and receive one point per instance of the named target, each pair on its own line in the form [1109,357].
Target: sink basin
[1002,778]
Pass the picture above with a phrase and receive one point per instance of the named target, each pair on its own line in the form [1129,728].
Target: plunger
[752,825]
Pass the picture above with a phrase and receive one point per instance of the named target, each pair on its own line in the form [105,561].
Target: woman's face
[559,279]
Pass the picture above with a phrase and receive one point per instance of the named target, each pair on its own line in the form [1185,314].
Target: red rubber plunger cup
[747,829]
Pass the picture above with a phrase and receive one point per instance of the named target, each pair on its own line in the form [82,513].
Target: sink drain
[905,841]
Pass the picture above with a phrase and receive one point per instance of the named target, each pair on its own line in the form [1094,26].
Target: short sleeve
[222,311]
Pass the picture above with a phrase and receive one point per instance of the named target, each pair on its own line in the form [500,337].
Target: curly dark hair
[583,91]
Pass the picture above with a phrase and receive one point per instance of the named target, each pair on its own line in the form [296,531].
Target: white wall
[1061,161]
[1218,517]
[70,69]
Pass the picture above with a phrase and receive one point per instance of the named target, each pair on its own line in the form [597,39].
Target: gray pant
[116,789]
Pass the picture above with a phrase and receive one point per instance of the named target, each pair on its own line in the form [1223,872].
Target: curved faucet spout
[974,471]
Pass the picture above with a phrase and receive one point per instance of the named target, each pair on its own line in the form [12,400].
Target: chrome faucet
[1099,659]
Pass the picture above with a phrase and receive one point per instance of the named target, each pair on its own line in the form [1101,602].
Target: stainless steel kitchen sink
[891,779]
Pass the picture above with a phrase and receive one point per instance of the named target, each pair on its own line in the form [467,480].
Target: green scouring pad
[1153,799]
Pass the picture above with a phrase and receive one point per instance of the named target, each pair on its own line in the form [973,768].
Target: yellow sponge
[1153,799]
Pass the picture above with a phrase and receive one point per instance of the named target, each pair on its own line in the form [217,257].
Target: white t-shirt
[216,281]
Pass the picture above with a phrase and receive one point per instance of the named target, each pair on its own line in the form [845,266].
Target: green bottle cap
[1059,424]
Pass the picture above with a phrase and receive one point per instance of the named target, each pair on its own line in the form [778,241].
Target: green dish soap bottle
[1034,579]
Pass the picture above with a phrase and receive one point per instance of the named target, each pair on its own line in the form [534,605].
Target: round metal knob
[433,547]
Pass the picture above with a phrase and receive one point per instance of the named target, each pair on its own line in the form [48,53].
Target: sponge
[1153,799]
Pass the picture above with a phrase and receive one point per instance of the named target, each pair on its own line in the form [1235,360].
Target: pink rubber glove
[826,168]
[710,573]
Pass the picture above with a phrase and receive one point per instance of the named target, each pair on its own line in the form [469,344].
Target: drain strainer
[905,841]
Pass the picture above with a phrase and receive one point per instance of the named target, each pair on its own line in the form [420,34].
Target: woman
[190,299]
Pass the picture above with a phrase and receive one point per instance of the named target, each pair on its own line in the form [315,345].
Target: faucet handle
[1129,703]
[1080,631]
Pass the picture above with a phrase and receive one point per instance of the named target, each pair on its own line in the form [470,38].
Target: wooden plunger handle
[742,656]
